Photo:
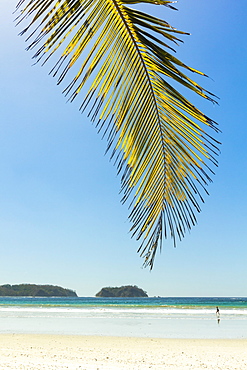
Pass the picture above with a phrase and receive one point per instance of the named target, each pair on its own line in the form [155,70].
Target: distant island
[123,291]
[32,290]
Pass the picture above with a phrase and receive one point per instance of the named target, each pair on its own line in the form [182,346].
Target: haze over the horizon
[61,220]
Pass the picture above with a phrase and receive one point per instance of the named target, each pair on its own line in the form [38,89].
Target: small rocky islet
[131,291]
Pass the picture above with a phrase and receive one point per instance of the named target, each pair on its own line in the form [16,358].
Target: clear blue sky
[61,221]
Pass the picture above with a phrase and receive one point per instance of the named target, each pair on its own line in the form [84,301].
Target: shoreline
[52,351]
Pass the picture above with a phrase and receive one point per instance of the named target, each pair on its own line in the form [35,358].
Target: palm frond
[156,135]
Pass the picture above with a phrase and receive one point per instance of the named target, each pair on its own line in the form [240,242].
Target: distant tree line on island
[33,290]
[123,291]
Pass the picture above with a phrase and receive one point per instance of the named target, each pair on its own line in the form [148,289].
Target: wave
[117,310]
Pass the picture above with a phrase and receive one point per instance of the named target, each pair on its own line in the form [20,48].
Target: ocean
[157,317]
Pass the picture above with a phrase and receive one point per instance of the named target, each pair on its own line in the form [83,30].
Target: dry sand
[31,352]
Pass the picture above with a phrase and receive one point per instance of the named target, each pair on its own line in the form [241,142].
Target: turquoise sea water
[184,317]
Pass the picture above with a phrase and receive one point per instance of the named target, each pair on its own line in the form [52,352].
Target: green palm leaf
[124,56]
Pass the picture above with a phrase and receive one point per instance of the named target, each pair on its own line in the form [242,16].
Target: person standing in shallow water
[218,314]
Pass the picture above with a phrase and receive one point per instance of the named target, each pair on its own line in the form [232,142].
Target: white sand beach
[39,351]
